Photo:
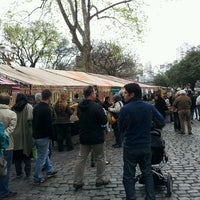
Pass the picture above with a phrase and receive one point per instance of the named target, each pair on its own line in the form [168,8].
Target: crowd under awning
[32,80]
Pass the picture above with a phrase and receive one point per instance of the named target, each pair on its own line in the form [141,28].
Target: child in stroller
[158,157]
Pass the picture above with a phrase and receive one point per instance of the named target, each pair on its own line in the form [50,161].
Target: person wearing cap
[183,104]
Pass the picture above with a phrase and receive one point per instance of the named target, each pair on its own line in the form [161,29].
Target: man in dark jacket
[42,132]
[135,121]
[91,119]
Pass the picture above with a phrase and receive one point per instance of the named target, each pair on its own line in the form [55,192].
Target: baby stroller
[159,158]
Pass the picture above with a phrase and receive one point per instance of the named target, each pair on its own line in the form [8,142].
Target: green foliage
[186,72]
[161,80]
[109,58]
[32,43]
[65,55]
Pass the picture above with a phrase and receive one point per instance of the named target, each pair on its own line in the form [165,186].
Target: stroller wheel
[169,185]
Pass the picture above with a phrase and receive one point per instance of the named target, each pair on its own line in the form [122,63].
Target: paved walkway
[184,166]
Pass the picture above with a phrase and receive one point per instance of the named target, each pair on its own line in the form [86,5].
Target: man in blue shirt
[135,121]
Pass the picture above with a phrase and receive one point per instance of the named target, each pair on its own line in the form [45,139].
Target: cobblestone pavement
[183,164]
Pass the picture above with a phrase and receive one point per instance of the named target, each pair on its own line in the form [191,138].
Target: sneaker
[42,180]
[100,182]
[51,174]
[9,195]
[107,162]
[78,186]
[190,133]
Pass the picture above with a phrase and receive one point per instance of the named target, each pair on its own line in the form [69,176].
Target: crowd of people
[37,125]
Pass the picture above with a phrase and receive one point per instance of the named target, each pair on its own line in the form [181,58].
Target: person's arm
[101,116]
[12,124]
[48,122]
[157,118]
[116,108]
[123,120]
[30,111]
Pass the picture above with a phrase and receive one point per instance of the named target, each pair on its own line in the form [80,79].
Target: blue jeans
[131,158]
[43,160]
[4,181]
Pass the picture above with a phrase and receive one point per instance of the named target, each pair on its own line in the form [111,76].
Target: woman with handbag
[9,119]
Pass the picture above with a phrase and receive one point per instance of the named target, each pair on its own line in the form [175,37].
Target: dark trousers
[131,158]
[20,158]
[177,126]
[118,135]
[63,132]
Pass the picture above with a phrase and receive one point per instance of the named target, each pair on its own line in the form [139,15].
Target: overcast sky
[171,23]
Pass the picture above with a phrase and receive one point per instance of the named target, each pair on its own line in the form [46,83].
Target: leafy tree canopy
[161,80]
[31,43]
[109,58]
[186,72]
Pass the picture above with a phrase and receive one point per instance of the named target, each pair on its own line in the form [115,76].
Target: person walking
[135,121]
[62,123]
[9,119]
[183,104]
[198,105]
[42,133]
[23,140]
[193,106]
[177,126]
[91,119]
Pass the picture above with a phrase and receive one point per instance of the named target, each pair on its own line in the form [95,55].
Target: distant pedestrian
[91,118]
[115,109]
[42,133]
[135,120]
[23,140]
[38,98]
[198,105]
[193,106]
[107,103]
[9,119]
[183,104]
[160,104]
[62,123]
[177,126]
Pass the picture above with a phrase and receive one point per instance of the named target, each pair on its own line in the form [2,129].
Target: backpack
[4,138]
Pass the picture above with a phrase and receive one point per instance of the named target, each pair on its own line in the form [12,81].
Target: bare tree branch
[107,8]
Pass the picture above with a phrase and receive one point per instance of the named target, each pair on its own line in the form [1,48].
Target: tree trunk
[86,59]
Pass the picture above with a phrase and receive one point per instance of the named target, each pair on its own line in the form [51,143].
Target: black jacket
[91,118]
[42,121]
